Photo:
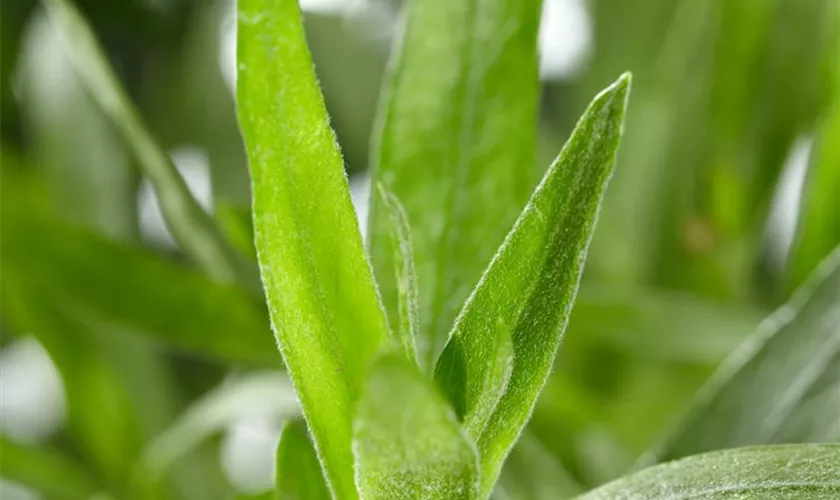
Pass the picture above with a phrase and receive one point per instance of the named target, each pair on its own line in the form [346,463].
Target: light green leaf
[46,470]
[781,386]
[456,145]
[793,472]
[407,442]
[402,258]
[530,286]
[299,475]
[191,226]
[267,394]
[320,290]
[76,270]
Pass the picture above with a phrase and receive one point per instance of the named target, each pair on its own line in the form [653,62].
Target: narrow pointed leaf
[402,258]
[781,386]
[407,442]
[191,226]
[456,145]
[299,475]
[791,472]
[530,285]
[320,291]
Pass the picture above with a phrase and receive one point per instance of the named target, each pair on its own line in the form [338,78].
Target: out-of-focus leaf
[407,442]
[532,473]
[456,145]
[320,290]
[46,470]
[110,437]
[530,286]
[74,144]
[792,472]
[781,386]
[299,475]
[191,226]
[407,320]
[268,394]
[640,321]
[98,280]
[818,230]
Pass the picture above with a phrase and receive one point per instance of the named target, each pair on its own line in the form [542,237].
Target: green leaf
[76,270]
[781,386]
[407,442]
[793,472]
[299,475]
[79,152]
[530,286]
[320,290]
[191,226]
[402,258]
[46,470]
[456,145]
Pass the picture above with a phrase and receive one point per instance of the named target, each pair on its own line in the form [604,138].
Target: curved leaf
[781,386]
[407,442]
[530,286]
[192,227]
[795,472]
[321,296]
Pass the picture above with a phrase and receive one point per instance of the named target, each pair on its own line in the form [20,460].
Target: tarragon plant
[418,356]
[418,369]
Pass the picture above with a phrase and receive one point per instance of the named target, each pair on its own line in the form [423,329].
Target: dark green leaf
[456,146]
[781,386]
[530,286]
[321,295]
[794,472]
[407,442]
[94,279]
[299,475]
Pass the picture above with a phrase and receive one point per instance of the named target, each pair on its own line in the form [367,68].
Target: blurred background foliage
[129,373]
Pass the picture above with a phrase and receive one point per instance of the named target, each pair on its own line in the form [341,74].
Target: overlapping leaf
[320,291]
[299,474]
[781,386]
[407,442]
[191,226]
[527,292]
[456,145]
